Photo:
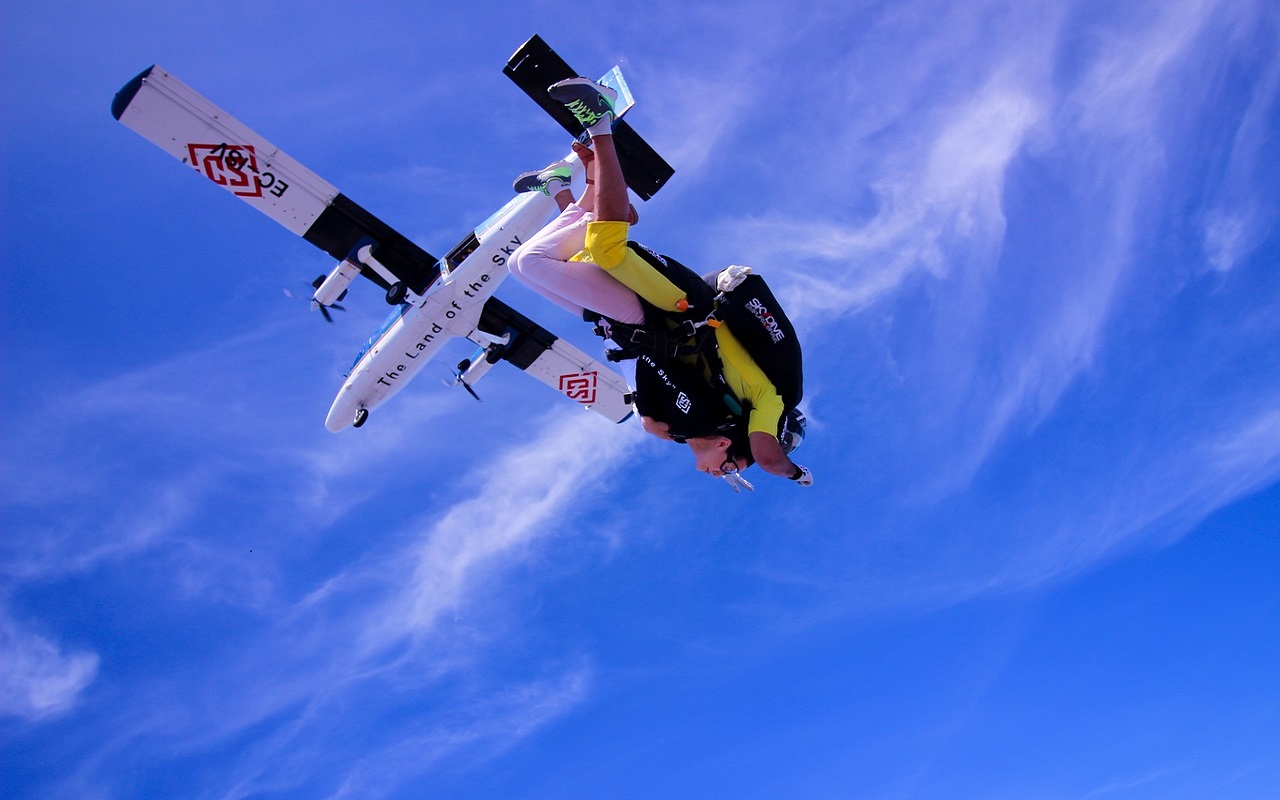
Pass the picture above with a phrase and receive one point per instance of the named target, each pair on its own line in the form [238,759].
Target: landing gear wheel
[361,416]
[396,293]
[494,352]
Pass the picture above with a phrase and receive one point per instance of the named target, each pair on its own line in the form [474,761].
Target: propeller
[458,380]
[324,310]
[470,391]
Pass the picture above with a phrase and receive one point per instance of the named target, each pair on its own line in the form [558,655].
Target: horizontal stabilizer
[535,66]
[557,363]
[178,120]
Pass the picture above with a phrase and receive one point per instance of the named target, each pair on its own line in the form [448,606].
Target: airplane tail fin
[535,66]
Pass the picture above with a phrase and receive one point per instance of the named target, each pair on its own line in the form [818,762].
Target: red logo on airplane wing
[580,386]
[232,166]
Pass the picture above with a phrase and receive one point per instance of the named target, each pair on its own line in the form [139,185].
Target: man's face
[710,454]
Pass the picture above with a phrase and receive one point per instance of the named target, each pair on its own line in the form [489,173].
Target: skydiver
[566,261]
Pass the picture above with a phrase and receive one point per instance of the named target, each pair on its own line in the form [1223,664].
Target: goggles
[731,475]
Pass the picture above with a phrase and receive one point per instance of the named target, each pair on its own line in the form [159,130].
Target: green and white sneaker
[591,103]
[549,180]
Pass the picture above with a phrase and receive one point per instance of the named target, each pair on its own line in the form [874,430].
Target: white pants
[543,264]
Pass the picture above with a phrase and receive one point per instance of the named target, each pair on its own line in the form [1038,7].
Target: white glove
[731,277]
[803,476]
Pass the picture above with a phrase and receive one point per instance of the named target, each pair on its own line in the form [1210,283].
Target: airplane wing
[535,66]
[180,121]
[556,362]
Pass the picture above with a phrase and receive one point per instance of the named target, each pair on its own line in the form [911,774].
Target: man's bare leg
[613,204]
[592,105]
[588,200]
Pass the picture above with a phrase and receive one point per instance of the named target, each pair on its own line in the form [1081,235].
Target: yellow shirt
[749,384]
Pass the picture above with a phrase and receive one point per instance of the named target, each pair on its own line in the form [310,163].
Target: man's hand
[659,429]
[731,277]
[803,476]
[585,154]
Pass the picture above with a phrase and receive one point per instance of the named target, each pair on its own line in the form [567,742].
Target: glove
[730,277]
[803,476]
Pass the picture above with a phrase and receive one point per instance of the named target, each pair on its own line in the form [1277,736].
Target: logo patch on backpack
[766,319]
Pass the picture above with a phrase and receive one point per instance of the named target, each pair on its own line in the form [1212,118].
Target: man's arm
[767,452]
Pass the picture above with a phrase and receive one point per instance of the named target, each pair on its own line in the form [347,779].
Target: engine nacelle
[336,284]
[472,370]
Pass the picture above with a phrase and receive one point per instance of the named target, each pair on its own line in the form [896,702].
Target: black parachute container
[756,318]
[752,313]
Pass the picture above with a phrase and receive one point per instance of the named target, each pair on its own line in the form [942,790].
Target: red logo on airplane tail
[232,166]
[580,386]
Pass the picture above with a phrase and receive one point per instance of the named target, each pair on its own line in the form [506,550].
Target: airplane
[434,300]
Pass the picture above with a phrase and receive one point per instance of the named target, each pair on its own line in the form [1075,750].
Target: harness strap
[688,338]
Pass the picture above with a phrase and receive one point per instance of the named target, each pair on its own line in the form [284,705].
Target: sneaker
[588,101]
[549,180]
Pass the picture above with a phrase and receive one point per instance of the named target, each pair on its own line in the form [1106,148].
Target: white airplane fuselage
[451,308]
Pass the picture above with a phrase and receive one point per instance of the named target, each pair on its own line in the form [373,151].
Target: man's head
[714,455]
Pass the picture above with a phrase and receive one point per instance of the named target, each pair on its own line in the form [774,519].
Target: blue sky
[1032,252]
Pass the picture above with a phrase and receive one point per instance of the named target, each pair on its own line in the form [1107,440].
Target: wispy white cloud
[945,211]
[470,736]
[400,618]
[1131,782]
[525,494]
[1248,455]
[942,219]
[1170,485]
[1228,236]
[1237,220]
[39,680]
[212,415]
[389,619]
[1125,80]
[1015,311]
[77,544]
